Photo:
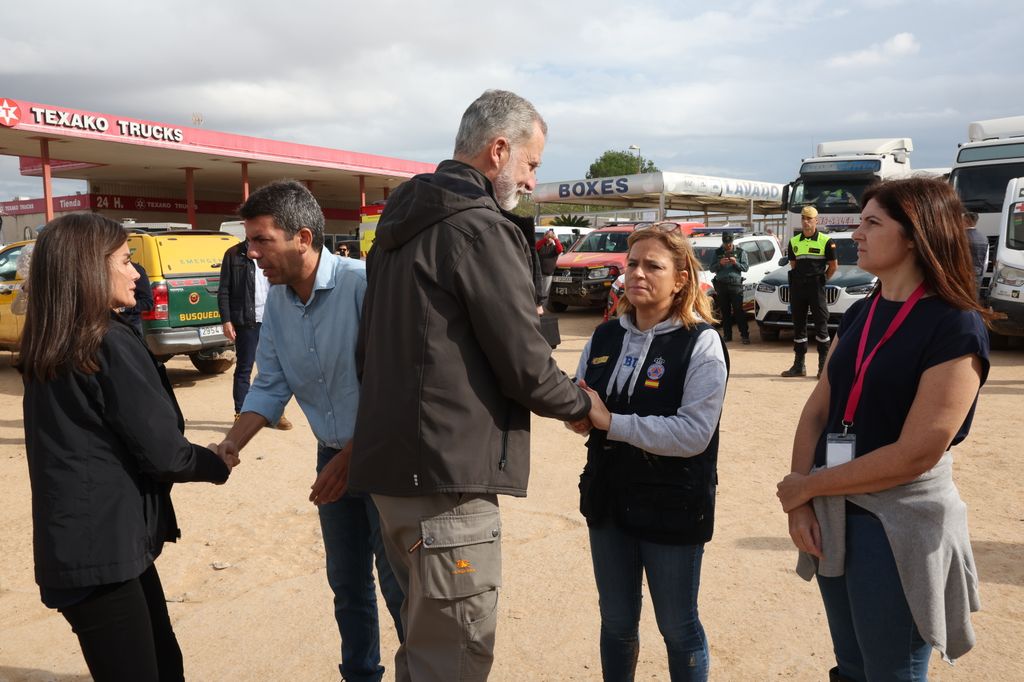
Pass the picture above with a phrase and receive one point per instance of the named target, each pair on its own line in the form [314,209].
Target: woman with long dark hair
[871,501]
[104,441]
[656,379]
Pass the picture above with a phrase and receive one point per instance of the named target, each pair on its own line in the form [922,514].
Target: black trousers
[809,293]
[730,303]
[125,632]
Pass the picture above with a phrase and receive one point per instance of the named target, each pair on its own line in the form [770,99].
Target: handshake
[599,417]
[330,484]
[227,451]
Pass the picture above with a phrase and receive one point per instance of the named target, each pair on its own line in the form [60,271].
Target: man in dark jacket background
[452,363]
[241,296]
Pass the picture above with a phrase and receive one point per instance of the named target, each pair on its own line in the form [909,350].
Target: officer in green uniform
[729,265]
[812,261]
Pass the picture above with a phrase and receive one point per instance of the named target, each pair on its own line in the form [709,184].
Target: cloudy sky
[735,89]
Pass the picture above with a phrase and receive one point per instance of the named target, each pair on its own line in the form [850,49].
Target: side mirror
[784,261]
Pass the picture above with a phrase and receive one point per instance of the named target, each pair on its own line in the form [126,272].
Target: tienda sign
[129,204]
[12,115]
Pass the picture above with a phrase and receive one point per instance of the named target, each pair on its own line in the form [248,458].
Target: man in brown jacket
[452,362]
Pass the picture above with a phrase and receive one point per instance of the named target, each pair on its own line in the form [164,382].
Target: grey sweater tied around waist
[926,523]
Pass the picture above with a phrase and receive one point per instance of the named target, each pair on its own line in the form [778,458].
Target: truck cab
[992,156]
[835,179]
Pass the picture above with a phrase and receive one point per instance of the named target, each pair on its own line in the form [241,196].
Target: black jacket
[103,450]
[236,295]
[450,352]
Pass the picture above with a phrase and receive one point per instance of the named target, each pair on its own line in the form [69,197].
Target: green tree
[613,163]
[567,220]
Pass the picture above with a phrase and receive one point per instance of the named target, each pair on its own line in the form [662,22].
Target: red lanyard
[860,369]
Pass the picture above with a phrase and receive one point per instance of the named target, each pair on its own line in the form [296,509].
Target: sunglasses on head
[660,227]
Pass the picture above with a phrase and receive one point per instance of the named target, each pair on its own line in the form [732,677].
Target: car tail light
[159,311]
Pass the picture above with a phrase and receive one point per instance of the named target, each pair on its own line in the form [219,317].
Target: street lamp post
[639,161]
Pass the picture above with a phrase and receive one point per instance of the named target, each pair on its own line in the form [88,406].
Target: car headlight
[603,273]
[766,288]
[860,289]
[1011,277]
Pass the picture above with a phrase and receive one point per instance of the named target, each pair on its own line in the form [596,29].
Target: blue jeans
[352,540]
[246,341]
[873,633]
[673,577]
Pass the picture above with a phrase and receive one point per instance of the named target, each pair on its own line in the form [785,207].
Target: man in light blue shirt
[307,349]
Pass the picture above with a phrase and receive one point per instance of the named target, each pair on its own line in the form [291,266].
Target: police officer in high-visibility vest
[812,261]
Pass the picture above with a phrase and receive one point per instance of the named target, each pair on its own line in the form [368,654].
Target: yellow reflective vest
[809,249]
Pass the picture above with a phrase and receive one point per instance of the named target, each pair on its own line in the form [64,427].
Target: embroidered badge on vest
[655,372]
[599,360]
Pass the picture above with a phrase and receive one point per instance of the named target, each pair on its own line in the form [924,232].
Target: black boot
[798,369]
[834,676]
[822,354]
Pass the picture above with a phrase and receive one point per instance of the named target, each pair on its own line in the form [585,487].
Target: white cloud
[900,45]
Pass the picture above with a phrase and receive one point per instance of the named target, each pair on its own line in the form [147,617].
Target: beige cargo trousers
[445,551]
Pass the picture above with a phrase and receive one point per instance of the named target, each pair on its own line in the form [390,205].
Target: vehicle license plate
[562,279]
[211,331]
[562,291]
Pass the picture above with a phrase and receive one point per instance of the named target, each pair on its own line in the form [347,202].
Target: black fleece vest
[669,500]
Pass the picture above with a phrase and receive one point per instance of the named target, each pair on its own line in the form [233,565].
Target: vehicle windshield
[1015,233]
[846,251]
[829,195]
[603,242]
[706,255]
[982,188]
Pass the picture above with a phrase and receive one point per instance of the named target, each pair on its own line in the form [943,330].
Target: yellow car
[10,285]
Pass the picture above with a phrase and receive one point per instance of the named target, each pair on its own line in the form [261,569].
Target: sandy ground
[268,614]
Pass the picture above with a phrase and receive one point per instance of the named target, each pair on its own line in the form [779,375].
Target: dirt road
[266,613]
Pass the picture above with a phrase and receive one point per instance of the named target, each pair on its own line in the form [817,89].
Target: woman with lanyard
[871,501]
[656,379]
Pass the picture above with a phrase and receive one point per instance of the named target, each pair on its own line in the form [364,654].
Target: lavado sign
[11,115]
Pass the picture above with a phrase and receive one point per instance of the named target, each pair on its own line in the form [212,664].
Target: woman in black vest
[104,442]
[656,377]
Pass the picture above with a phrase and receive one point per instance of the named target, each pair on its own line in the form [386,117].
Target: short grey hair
[291,205]
[496,113]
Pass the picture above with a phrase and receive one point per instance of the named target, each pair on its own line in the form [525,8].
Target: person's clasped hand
[228,453]
[332,481]
[600,417]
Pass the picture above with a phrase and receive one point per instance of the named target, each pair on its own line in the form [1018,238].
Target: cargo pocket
[460,555]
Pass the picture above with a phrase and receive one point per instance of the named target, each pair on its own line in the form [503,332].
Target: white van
[236,228]
[566,234]
[1006,295]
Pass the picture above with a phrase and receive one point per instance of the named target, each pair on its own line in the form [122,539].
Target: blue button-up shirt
[308,350]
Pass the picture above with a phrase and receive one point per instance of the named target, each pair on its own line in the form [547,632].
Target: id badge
[839,449]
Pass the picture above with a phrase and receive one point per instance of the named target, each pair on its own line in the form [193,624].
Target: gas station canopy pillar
[245,180]
[190,195]
[44,155]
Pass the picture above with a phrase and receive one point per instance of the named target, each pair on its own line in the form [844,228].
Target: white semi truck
[1007,293]
[834,180]
[992,156]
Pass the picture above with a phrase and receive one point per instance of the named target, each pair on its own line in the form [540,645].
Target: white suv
[763,253]
[848,285]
